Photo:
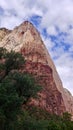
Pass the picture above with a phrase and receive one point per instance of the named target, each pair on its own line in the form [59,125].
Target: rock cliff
[26,39]
[3,33]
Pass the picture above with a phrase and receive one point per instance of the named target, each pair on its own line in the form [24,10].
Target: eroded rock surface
[26,39]
[3,33]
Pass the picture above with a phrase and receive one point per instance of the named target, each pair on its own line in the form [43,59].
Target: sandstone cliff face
[26,39]
[50,98]
[3,33]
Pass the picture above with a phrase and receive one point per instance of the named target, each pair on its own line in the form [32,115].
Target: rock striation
[3,33]
[26,39]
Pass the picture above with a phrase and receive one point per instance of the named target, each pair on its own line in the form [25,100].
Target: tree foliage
[15,88]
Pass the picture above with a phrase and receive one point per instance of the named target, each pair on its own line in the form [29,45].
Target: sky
[54,21]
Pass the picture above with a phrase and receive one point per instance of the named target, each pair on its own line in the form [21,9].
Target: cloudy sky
[54,20]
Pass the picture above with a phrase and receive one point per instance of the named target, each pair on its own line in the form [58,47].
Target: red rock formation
[26,39]
[50,98]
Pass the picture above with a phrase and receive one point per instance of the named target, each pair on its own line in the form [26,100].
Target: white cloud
[56,17]
[48,43]
[15,10]
[52,30]
[7,21]
[64,66]
[59,14]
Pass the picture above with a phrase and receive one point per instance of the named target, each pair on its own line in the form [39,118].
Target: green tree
[9,61]
[3,52]
[13,60]
[66,116]
[10,102]
[25,85]
[15,89]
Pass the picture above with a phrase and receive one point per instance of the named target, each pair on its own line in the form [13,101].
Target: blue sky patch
[1,11]
[35,19]
[44,33]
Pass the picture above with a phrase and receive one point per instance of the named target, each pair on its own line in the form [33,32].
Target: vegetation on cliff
[16,89]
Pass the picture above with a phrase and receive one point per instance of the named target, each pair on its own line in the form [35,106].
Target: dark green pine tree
[15,88]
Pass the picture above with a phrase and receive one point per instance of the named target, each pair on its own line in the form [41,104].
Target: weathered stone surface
[49,98]
[26,39]
[3,33]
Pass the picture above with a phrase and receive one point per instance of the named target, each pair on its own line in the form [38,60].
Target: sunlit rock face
[3,33]
[26,39]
